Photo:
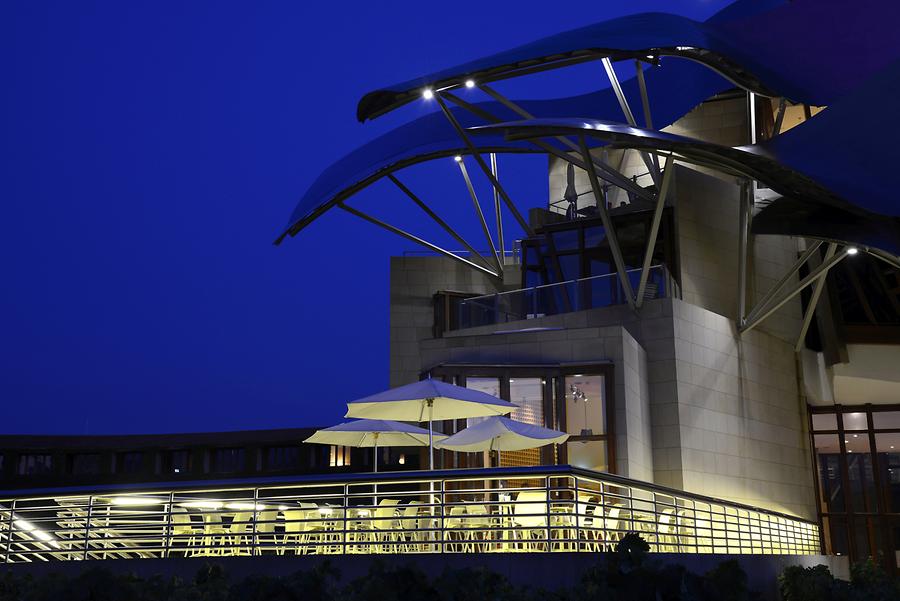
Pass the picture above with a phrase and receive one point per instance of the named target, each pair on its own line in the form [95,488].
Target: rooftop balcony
[501,510]
[563,297]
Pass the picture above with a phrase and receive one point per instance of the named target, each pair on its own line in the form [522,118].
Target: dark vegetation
[629,574]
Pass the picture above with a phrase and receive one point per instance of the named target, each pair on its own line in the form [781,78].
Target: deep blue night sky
[151,152]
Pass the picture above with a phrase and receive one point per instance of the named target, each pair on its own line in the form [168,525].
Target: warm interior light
[135,501]
[245,506]
[203,504]
[402,460]
[470,83]
[457,158]
[24,525]
[852,250]
[427,93]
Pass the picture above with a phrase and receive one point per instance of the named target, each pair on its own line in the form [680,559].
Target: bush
[629,574]
[867,582]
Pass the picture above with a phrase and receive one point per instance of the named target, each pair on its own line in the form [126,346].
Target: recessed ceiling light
[470,83]
[427,93]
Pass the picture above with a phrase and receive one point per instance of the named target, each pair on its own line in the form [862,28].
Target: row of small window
[856,420]
[227,460]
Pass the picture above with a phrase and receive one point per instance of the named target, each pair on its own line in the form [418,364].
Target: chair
[589,522]
[299,529]
[612,531]
[238,536]
[530,517]
[667,539]
[266,522]
[386,527]
[410,526]
[213,534]
[452,528]
[182,526]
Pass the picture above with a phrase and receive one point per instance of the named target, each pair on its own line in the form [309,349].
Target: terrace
[499,510]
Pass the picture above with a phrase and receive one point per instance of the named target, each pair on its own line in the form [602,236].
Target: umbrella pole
[375,463]
[430,434]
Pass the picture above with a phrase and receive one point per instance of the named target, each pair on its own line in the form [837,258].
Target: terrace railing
[540,509]
[563,297]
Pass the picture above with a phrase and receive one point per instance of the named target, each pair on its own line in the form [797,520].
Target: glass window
[86,463]
[528,396]
[886,420]
[855,421]
[859,468]
[339,456]
[887,447]
[35,464]
[566,240]
[588,454]
[824,421]
[179,462]
[593,236]
[828,455]
[282,458]
[585,406]
[229,460]
[131,462]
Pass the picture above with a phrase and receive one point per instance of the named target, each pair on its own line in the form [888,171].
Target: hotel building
[708,303]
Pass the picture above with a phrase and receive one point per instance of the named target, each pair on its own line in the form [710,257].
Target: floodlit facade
[707,302]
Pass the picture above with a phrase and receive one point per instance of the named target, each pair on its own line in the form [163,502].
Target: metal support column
[626,110]
[809,279]
[607,224]
[814,299]
[777,288]
[484,166]
[606,172]
[460,161]
[416,239]
[497,213]
[654,228]
[746,204]
[421,204]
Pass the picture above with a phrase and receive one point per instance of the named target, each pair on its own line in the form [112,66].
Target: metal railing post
[87,527]
[547,509]
[577,516]
[9,538]
[167,545]
[254,545]
[346,510]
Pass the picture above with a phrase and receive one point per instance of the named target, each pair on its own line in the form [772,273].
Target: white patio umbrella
[372,433]
[501,434]
[428,400]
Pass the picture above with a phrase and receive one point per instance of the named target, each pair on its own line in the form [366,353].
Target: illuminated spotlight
[427,93]
[852,250]
[470,83]
[458,159]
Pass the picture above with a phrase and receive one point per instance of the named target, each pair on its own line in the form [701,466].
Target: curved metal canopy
[673,90]
[831,168]
[810,51]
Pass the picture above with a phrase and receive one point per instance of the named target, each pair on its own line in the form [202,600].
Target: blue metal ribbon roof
[811,51]
[673,90]
[832,169]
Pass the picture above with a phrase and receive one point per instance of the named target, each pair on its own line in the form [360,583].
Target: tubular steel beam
[645,103]
[809,279]
[746,206]
[421,204]
[484,227]
[607,173]
[814,300]
[607,224]
[484,167]
[777,288]
[497,213]
[888,258]
[416,239]
[629,116]
[654,229]
[779,117]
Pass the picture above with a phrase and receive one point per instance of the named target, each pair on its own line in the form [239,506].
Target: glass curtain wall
[857,458]
[551,396]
